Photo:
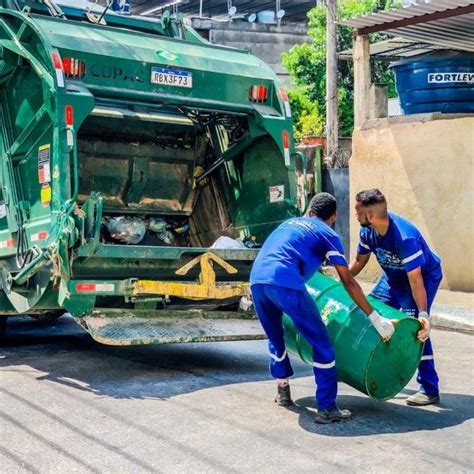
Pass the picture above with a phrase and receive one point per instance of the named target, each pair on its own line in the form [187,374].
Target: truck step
[131,330]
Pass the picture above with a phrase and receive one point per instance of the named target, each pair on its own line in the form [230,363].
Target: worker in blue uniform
[289,257]
[411,276]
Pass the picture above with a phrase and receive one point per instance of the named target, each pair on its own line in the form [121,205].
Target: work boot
[420,399]
[332,415]
[283,396]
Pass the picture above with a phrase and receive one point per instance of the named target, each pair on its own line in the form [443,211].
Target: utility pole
[332,123]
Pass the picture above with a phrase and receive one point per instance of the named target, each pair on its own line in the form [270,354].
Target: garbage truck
[140,169]
[129,146]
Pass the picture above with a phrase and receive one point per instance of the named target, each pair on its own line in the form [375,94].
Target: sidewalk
[452,310]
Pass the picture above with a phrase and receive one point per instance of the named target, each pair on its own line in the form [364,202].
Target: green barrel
[376,368]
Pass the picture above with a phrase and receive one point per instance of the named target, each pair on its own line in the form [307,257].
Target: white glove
[424,333]
[382,325]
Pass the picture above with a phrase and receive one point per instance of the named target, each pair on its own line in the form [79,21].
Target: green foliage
[306,116]
[306,64]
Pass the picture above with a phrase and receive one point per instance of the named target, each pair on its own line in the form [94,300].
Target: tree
[306,64]
[307,118]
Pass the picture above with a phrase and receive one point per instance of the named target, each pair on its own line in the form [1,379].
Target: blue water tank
[438,82]
[266,16]
[121,6]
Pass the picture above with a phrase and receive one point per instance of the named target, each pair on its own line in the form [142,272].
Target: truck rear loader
[140,168]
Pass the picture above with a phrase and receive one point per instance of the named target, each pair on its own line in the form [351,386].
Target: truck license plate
[171,77]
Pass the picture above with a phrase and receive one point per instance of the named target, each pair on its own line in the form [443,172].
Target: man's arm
[418,289]
[383,326]
[335,255]
[358,263]
[353,288]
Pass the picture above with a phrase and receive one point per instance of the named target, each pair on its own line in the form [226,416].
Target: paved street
[70,405]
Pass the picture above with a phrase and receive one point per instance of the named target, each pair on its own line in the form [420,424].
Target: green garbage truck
[140,169]
[128,147]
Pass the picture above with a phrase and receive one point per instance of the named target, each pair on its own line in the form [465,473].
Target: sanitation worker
[411,276]
[289,257]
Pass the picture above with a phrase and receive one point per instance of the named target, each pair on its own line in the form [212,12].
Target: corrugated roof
[296,10]
[394,49]
[412,11]
[446,23]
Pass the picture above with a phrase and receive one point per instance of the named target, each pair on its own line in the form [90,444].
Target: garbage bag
[245,303]
[224,242]
[167,237]
[157,225]
[128,230]
[161,228]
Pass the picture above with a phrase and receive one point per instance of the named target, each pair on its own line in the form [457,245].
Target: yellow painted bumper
[205,288]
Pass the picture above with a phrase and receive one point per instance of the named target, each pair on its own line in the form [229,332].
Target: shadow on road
[371,417]
[67,355]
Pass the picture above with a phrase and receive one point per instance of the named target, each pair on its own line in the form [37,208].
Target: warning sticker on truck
[44,164]
[277,193]
[45,194]
[171,77]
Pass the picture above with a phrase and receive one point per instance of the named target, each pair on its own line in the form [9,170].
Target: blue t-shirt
[400,250]
[294,251]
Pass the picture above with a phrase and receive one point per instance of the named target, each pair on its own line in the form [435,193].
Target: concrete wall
[267,42]
[425,167]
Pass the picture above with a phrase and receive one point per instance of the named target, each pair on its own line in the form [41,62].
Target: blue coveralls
[288,258]
[401,250]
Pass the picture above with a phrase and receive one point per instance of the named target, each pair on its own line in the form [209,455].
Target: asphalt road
[70,405]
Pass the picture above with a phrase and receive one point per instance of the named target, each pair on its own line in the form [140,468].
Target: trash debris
[157,225]
[147,231]
[162,229]
[167,237]
[128,230]
[251,242]
[181,229]
[245,303]
[227,243]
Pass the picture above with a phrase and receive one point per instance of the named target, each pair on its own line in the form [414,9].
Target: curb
[452,318]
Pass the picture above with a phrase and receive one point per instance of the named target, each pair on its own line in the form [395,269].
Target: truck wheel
[47,315]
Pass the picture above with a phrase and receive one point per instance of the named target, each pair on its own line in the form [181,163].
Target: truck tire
[47,315]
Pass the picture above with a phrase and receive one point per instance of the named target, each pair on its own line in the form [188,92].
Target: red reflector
[69,115]
[56,61]
[67,65]
[286,139]
[10,243]
[262,93]
[283,94]
[74,68]
[258,93]
[42,235]
[85,287]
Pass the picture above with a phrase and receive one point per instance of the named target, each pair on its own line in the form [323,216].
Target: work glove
[424,333]
[382,325]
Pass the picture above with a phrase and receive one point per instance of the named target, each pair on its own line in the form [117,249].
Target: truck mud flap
[126,328]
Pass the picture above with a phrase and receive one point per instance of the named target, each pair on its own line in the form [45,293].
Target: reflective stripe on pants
[271,302]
